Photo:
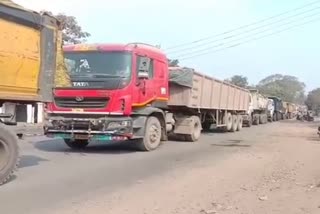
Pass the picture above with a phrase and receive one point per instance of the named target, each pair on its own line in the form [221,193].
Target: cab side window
[151,67]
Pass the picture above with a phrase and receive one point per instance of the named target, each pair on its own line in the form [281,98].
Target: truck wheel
[228,122]
[240,123]
[262,119]
[76,144]
[274,117]
[255,120]
[234,123]
[152,136]
[196,133]
[206,126]
[249,122]
[9,154]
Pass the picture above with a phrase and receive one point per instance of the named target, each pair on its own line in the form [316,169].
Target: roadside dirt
[269,173]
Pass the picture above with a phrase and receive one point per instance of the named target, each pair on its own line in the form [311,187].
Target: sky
[170,23]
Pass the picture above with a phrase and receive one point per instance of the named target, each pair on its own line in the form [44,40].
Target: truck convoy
[28,62]
[128,92]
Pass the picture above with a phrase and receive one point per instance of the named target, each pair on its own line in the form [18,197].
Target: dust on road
[271,171]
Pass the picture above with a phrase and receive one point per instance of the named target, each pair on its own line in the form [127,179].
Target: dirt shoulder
[276,171]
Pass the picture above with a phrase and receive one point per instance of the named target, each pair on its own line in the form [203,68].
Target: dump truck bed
[28,54]
[195,90]
[259,102]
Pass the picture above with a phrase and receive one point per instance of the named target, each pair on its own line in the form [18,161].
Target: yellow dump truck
[31,63]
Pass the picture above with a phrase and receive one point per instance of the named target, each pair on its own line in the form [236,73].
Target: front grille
[86,102]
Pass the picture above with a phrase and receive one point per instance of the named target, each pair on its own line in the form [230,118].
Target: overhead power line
[244,26]
[251,40]
[221,44]
[226,37]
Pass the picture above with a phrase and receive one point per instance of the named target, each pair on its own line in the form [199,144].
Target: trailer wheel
[76,144]
[240,123]
[256,119]
[249,122]
[274,116]
[234,123]
[196,133]
[228,122]
[152,136]
[9,154]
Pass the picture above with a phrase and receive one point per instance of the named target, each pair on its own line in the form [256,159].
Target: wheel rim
[4,155]
[154,134]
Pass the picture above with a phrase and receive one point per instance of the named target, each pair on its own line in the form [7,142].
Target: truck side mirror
[143,68]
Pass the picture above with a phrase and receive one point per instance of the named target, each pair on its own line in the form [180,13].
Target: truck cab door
[145,81]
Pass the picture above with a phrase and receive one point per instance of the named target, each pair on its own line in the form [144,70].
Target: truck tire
[76,144]
[240,123]
[152,136]
[9,154]
[228,121]
[249,122]
[260,118]
[256,120]
[196,130]
[234,123]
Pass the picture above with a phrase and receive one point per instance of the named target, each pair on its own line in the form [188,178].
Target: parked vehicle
[290,110]
[270,110]
[128,92]
[278,108]
[27,65]
[258,109]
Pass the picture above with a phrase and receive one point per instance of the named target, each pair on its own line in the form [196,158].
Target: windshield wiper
[97,75]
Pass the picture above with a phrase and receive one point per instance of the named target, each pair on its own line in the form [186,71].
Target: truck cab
[110,85]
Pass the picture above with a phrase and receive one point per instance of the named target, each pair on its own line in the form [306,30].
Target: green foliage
[288,88]
[239,80]
[173,62]
[72,31]
[313,99]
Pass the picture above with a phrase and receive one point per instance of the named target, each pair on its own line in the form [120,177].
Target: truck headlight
[119,124]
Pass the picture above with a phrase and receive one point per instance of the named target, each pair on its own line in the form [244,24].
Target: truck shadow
[30,160]
[94,147]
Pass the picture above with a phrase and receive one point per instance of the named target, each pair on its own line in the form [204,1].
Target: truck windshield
[99,64]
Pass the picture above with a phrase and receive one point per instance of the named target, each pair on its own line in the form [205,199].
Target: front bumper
[102,128]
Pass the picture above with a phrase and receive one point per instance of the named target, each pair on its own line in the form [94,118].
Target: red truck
[127,92]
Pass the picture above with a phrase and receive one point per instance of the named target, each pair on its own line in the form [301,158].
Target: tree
[313,99]
[286,87]
[72,31]
[173,62]
[239,80]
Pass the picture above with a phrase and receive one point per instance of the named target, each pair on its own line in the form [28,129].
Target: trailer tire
[234,123]
[152,136]
[9,154]
[240,122]
[228,122]
[249,122]
[256,120]
[196,130]
[76,144]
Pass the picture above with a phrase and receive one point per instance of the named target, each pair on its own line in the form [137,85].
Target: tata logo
[80,84]
[79,99]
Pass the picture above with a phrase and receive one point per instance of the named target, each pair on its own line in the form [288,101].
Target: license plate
[81,137]
[77,110]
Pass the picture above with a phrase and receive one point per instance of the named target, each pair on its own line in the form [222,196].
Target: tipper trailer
[31,53]
[128,92]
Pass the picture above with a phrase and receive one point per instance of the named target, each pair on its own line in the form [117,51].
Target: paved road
[51,175]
